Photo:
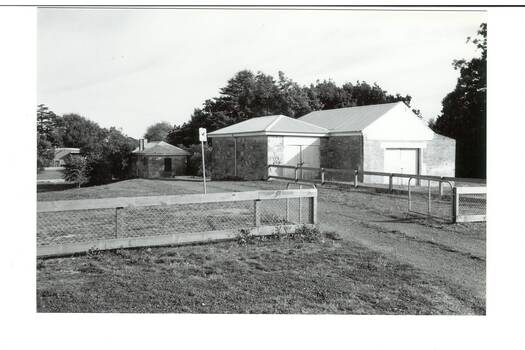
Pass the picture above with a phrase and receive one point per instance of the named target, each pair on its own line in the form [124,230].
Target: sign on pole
[202,135]
[203,138]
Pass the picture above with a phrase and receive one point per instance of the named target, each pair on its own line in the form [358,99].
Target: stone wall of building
[150,167]
[222,158]
[252,157]
[342,152]
[244,158]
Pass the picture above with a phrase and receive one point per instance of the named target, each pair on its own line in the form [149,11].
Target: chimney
[141,145]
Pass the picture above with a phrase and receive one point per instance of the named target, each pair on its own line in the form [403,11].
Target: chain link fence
[194,215]
[470,204]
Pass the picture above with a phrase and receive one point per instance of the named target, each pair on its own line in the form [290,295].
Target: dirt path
[454,252]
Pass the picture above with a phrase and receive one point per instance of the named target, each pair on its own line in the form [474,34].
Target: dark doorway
[167,164]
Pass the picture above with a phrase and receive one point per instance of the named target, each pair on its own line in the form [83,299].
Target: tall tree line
[248,95]
[464,113]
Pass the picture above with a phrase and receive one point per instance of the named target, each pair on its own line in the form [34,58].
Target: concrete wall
[149,167]
[439,157]
[342,152]
[244,158]
[436,156]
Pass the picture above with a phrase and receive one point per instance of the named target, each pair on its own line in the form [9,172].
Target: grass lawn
[271,276]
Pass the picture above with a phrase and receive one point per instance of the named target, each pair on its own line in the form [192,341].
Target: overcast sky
[132,68]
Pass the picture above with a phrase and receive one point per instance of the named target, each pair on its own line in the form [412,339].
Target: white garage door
[401,160]
[303,151]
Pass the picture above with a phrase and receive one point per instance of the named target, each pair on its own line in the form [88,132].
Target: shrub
[244,237]
[306,234]
[195,160]
[76,170]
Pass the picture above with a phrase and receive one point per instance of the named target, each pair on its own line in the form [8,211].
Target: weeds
[306,233]
[245,237]
[334,236]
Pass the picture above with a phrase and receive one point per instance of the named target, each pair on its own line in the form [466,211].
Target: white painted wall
[399,124]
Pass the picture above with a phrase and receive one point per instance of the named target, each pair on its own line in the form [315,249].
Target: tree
[45,152]
[248,95]
[111,160]
[80,132]
[47,137]
[464,115]
[76,170]
[47,124]
[158,131]
[195,160]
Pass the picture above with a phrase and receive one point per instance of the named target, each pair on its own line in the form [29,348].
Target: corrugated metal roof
[270,124]
[161,148]
[348,119]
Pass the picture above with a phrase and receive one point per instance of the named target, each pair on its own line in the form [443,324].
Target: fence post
[441,188]
[300,204]
[322,176]
[455,204]
[409,195]
[296,174]
[429,199]
[313,210]
[257,212]
[116,222]
[287,210]
[391,183]
[356,172]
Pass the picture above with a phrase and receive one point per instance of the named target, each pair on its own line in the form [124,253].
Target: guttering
[269,133]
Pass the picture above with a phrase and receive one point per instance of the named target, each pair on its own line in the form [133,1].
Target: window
[167,164]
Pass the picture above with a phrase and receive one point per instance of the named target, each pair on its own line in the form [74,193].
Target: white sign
[202,135]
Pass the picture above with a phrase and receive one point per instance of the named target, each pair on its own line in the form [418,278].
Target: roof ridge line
[272,124]
[312,124]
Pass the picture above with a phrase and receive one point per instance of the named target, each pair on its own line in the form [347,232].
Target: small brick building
[244,150]
[385,138]
[158,159]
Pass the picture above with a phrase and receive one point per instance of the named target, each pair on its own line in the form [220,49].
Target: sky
[131,68]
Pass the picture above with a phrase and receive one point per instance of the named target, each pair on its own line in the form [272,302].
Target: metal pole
[203,167]
[355,178]
[322,176]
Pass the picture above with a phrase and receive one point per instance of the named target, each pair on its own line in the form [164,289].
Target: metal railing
[66,227]
[326,175]
[433,203]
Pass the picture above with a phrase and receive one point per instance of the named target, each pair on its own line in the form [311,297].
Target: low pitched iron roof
[273,124]
[160,148]
[348,119]
[62,152]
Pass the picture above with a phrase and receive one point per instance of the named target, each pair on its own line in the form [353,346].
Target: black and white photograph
[203,161]
[283,163]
